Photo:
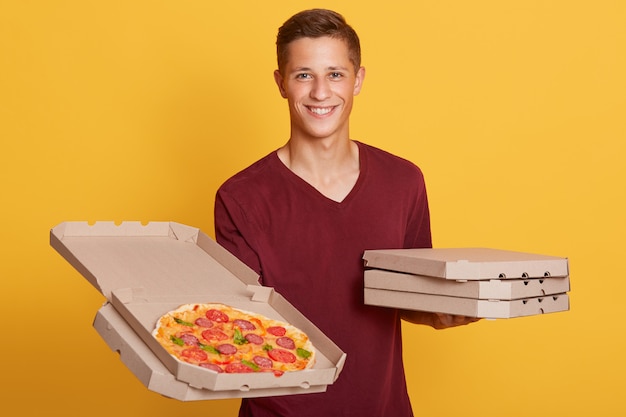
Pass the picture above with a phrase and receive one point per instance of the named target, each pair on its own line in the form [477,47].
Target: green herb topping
[251,365]
[238,338]
[177,340]
[209,348]
[183,322]
[303,353]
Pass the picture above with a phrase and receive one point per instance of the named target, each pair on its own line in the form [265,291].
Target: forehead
[318,52]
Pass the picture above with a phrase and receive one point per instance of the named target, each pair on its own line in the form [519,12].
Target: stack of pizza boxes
[148,270]
[474,282]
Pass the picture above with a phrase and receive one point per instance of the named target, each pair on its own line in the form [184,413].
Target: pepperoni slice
[217,316]
[253,338]
[214,334]
[238,368]
[227,349]
[203,322]
[263,362]
[212,367]
[244,324]
[189,339]
[286,342]
[277,330]
[280,355]
[194,354]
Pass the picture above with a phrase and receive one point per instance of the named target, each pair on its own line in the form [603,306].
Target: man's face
[319,82]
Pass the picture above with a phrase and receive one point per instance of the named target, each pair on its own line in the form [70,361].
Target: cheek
[347,91]
[294,93]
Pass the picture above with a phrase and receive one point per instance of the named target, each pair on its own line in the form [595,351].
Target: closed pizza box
[489,289]
[467,263]
[146,270]
[475,282]
[490,309]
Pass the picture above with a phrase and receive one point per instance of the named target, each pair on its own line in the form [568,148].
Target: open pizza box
[145,271]
[475,282]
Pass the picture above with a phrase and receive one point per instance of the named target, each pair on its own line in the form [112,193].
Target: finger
[446,320]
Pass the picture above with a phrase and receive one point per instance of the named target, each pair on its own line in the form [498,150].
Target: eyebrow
[307,69]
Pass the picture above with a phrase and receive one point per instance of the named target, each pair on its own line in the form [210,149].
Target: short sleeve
[229,221]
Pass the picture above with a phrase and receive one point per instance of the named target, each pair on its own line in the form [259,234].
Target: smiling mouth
[320,111]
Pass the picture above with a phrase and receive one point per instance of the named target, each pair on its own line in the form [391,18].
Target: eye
[303,76]
[335,75]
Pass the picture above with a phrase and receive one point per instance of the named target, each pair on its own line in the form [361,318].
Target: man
[303,215]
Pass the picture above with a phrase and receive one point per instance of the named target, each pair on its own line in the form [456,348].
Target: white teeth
[320,110]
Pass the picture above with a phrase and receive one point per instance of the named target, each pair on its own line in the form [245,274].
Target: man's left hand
[444,321]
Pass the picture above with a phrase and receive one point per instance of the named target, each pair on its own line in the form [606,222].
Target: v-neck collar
[314,192]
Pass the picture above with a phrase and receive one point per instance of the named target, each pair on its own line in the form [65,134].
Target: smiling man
[319,81]
[302,216]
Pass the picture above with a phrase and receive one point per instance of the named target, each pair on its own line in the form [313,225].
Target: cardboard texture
[467,263]
[147,270]
[151,372]
[490,309]
[493,289]
[474,282]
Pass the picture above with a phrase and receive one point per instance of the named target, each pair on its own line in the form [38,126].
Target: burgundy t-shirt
[309,248]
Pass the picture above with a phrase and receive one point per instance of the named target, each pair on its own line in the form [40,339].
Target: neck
[319,156]
[332,167]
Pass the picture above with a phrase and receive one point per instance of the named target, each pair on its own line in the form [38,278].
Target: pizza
[221,338]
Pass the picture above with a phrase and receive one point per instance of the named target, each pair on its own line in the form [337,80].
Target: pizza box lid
[146,270]
[153,374]
[493,289]
[467,263]
[489,309]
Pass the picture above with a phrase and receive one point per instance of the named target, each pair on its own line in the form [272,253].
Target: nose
[320,90]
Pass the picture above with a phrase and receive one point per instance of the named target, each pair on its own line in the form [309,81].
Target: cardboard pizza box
[145,271]
[491,289]
[153,374]
[475,282]
[490,309]
[467,263]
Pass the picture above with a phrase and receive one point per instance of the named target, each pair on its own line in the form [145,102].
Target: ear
[358,82]
[278,78]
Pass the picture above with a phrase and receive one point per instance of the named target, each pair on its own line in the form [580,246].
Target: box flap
[162,257]
[141,312]
[467,263]
[147,270]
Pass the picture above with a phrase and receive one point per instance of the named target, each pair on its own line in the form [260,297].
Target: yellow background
[138,110]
